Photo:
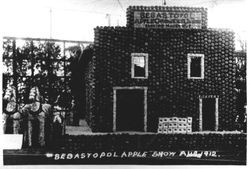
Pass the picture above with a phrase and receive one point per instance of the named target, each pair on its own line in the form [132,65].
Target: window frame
[133,55]
[189,58]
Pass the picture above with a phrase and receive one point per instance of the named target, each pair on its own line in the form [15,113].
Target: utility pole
[50,25]
[108,16]
[163,2]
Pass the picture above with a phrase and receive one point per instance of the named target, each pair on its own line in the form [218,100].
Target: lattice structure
[45,63]
[27,61]
[169,125]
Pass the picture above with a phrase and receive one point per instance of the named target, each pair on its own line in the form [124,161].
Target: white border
[145,55]
[145,103]
[189,57]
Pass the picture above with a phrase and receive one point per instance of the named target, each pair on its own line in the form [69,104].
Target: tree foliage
[38,63]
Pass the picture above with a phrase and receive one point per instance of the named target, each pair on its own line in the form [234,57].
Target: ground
[78,130]
[81,146]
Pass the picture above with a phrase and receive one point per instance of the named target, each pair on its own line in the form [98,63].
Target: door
[209,111]
[129,110]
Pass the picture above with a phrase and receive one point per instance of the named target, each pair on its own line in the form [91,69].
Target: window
[139,66]
[195,66]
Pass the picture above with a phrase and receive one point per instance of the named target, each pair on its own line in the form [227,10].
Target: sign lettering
[135,154]
[165,19]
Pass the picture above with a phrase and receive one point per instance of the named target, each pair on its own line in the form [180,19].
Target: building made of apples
[165,63]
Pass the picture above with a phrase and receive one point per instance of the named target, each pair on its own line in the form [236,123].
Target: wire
[121,5]
[82,11]
[91,2]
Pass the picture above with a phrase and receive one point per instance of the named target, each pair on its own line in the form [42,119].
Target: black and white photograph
[124,82]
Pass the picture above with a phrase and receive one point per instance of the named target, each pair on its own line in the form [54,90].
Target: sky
[76,19]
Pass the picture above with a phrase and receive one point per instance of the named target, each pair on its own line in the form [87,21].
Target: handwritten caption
[133,154]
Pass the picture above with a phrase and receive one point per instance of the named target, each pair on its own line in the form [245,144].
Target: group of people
[36,120]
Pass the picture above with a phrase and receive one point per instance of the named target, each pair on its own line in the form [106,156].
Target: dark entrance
[130,110]
[208,114]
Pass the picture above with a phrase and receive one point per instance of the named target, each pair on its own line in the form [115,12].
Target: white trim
[114,110]
[145,109]
[130,87]
[216,114]
[189,57]
[200,106]
[145,55]
[115,100]
[216,111]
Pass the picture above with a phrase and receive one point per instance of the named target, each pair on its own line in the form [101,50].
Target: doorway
[130,109]
[209,113]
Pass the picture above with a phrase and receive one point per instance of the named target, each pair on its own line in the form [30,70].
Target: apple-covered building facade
[164,63]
